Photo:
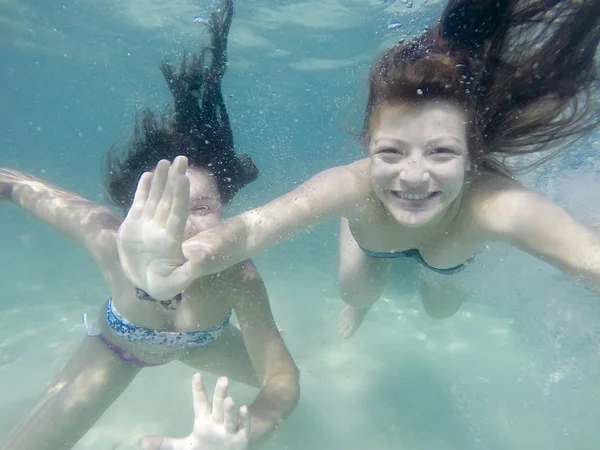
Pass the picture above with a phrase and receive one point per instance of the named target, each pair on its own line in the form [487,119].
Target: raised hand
[216,427]
[151,236]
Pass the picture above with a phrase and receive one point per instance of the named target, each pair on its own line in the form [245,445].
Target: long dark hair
[524,71]
[198,126]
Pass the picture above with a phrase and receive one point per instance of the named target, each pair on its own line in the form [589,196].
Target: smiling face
[206,209]
[419,158]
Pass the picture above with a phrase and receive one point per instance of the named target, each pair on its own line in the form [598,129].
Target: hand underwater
[216,427]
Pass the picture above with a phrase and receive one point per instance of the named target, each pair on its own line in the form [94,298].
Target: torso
[446,246]
[206,303]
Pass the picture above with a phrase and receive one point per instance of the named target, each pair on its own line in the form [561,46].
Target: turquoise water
[516,368]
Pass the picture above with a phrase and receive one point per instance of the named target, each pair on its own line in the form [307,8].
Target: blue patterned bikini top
[133,333]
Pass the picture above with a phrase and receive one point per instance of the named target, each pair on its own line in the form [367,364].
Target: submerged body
[132,330]
[109,358]
[492,81]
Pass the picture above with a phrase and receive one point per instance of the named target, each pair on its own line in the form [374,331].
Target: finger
[182,276]
[141,196]
[164,204]
[159,180]
[161,443]
[180,279]
[231,415]
[177,169]
[218,399]
[180,207]
[181,164]
[245,420]
[201,402]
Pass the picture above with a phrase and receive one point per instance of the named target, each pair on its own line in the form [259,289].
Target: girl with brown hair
[497,87]
[133,330]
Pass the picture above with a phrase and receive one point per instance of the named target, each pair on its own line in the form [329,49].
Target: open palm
[151,236]
[216,427]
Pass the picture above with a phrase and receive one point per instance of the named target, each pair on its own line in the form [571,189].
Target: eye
[200,209]
[443,151]
[389,155]
[388,151]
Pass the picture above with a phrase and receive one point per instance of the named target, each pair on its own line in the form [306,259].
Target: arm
[150,241]
[332,193]
[221,426]
[537,226]
[272,362]
[91,225]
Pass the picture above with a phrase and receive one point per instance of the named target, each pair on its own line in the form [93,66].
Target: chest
[444,248]
[204,303]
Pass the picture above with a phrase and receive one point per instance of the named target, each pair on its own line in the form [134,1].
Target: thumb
[189,271]
[161,443]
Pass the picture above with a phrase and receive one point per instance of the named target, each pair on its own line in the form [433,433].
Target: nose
[190,226]
[414,172]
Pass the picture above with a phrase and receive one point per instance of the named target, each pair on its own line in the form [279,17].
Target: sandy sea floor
[480,380]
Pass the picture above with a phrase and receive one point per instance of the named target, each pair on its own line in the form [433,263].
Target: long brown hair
[524,71]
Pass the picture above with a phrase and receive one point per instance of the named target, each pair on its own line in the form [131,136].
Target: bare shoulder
[330,193]
[361,167]
[245,290]
[353,181]
[240,277]
[358,172]
[246,271]
[499,204]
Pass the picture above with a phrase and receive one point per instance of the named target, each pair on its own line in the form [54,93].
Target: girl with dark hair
[449,115]
[134,330]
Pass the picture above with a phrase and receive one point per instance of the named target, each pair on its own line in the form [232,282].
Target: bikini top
[416,255]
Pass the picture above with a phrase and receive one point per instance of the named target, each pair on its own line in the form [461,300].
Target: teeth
[407,196]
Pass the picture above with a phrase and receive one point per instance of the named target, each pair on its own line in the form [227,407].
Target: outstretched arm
[537,226]
[91,225]
[330,194]
[150,238]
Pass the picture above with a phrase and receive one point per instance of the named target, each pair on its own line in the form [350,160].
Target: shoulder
[246,292]
[355,175]
[359,172]
[330,193]
[351,183]
[362,167]
[243,276]
[501,206]
[240,285]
